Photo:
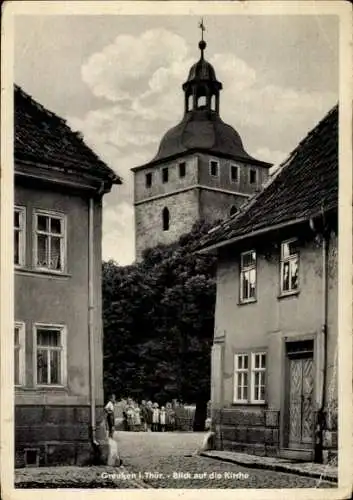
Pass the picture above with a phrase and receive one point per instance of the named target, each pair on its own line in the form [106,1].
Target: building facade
[58,373]
[201,170]
[274,356]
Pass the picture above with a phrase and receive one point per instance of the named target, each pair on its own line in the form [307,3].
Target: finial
[202,43]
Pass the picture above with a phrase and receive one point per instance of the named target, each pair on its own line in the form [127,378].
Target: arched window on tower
[190,103]
[233,210]
[201,101]
[165,217]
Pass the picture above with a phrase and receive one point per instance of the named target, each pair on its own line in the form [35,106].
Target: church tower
[201,169]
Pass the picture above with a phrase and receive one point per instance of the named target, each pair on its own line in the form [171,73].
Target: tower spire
[202,43]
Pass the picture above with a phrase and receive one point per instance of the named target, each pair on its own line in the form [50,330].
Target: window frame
[250,370]
[165,169]
[237,167]
[22,236]
[283,260]
[210,169]
[238,371]
[182,164]
[242,271]
[63,245]
[150,176]
[22,353]
[252,377]
[63,349]
[256,176]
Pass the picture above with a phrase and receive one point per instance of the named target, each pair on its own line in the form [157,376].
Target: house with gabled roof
[274,354]
[58,375]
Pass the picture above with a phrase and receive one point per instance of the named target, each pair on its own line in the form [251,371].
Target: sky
[117,79]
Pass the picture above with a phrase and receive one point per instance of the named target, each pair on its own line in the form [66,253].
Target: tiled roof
[305,184]
[43,137]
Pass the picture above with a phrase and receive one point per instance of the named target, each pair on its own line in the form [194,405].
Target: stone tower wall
[215,205]
[184,212]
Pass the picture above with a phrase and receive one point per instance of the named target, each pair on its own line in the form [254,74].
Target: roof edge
[159,161]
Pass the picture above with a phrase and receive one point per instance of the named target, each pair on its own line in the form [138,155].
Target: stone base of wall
[254,431]
[56,435]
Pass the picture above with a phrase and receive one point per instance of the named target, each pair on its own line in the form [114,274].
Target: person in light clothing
[155,417]
[162,419]
[109,412]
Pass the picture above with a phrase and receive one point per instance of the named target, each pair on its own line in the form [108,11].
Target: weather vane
[202,28]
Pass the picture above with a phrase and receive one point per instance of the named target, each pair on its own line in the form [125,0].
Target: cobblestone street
[167,460]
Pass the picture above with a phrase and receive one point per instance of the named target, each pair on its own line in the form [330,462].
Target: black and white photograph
[176,248]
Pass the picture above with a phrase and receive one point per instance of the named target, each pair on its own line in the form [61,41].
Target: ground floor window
[19,353]
[249,377]
[50,354]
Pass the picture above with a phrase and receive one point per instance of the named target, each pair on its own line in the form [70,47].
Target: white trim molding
[21,346]
[21,235]
[62,348]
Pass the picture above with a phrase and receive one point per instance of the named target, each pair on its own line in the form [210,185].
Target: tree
[158,322]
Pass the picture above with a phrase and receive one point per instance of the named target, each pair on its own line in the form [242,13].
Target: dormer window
[165,175]
[252,176]
[149,180]
[214,168]
[182,169]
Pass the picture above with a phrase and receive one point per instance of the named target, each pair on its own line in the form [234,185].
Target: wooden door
[301,415]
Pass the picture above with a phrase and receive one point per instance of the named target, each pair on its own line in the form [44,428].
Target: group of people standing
[147,416]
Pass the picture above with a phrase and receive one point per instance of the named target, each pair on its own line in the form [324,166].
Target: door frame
[289,339]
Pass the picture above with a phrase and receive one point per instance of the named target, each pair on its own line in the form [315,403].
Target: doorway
[299,406]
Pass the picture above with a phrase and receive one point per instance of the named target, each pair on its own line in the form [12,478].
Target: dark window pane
[55,225]
[149,179]
[55,367]
[42,250]
[262,393]
[239,395]
[48,337]
[214,168]
[16,247]
[246,362]
[17,336]
[234,173]
[42,223]
[165,174]
[55,257]
[245,292]
[42,367]
[253,176]
[182,169]
[263,361]
[17,366]
[240,362]
[16,221]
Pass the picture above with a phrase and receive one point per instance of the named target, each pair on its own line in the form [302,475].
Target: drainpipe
[91,324]
[320,420]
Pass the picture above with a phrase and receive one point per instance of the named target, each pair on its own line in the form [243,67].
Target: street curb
[275,467]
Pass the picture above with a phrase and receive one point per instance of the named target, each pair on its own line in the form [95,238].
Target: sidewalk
[309,469]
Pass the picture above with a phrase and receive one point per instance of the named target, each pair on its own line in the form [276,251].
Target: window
[289,266]
[50,342]
[149,180]
[19,353]
[252,176]
[248,276]
[258,369]
[19,236]
[214,168]
[249,378]
[165,217]
[241,378]
[233,210]
[201,101]
[165,174]
[50,241]
[234,173]
[182,169]
[213,103]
